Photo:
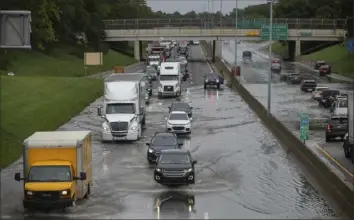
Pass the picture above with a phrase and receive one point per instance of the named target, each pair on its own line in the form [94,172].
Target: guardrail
[256,23]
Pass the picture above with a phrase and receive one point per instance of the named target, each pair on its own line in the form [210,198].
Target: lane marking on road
[204,53]
[335,161]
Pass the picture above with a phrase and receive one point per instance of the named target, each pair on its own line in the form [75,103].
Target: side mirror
[195,162]
[148,144]
[99,111]
[18,177]
[83,176]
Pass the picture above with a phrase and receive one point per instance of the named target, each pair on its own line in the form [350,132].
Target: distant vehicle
[124,107]
[184,72]
[161,141]
[348,145]
[276,67]
[247,55]
[196,42]
[294,78]
[340,106]
[308,85]
[325,70]
[319,63]
[337,126]
[152,72]
[327,98]
[183,51]
[181,106]
[175,167]
[213,79]
[183,60]
[317,93]
[154,60]
[179,123]
[57,168]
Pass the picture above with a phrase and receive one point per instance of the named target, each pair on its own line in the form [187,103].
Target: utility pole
[221,14]
[270,55]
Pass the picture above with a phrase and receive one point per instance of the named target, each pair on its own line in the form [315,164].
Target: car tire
[328,139]
[143,121]
[205,86]
[218,86]
[346,153]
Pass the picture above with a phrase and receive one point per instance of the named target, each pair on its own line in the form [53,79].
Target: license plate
[119,138]
[309,89]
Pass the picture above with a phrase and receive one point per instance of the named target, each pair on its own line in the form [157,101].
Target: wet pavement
[288,102]
[242,171]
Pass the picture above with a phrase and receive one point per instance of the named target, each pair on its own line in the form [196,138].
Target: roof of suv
[175,151]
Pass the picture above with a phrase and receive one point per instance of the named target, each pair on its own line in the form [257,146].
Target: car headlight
[206,80]
[158,170]
[188,170]
[151,150]
[29,193]
[169,124]
[65,192]
[177,88]
[105,126]
[217,80]
[134,126]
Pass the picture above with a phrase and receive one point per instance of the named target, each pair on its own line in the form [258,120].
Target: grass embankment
[337,55]
[44,94]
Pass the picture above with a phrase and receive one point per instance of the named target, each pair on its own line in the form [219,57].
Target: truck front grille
[178,128]
[174,173]
[168,88]
[47,195]
[119,126]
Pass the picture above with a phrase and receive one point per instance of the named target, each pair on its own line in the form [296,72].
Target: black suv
[327,98]
[337,126]
[213,79]
[181,106]
[175,167]
[308,85]
[161,141]
[294,78]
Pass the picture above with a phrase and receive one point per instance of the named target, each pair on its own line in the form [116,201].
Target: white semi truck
[169,79]
[124,106]
[348,144]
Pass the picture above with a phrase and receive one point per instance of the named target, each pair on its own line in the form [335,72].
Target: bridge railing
[293,23]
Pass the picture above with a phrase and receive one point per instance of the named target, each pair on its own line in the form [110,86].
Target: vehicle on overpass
[213,79]
[348,145]
[124,106]
[57,168]
[161,141]
[180,202]
[175,167]
[169,79]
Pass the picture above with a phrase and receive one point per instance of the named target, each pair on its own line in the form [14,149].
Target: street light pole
[270,56]
[236,21]
[220,13]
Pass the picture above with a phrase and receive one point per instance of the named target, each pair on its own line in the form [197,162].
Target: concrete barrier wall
[334,187]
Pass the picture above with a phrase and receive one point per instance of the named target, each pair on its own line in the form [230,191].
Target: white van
[169,79]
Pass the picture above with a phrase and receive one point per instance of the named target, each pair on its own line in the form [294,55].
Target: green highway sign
[304,127]
[280,32]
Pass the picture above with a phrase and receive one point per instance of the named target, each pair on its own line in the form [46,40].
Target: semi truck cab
[169,79]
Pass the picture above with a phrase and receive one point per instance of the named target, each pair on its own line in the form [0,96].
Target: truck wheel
[218,86]
[205,86]
[88,192]
[346,153]
[143,121]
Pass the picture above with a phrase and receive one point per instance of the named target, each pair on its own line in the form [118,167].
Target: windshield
[164,140]
[168,78]
[174,159]
[50,174]
[212,76]
[181,58]
[343,104]
[180,107]
[154,59]
[124,108]
[178,117]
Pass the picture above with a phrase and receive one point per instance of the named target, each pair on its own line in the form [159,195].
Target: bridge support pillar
[297,48]
[138,50]
[216,49]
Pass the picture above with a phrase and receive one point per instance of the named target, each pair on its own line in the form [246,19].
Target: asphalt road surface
[288,102]
[242,171]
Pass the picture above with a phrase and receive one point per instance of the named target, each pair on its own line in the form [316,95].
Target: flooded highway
[242,170]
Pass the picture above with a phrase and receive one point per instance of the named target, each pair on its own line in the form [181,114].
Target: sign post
[92,59]
[304,127]
[280,32]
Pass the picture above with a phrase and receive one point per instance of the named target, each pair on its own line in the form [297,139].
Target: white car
[179,123]
[316,95]
[182,60]
[341,107]
[196,42]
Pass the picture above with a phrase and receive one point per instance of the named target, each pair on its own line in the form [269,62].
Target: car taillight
[329,127]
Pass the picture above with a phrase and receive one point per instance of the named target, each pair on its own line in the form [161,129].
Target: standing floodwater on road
[242,170]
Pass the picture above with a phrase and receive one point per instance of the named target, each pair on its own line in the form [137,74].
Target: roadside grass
[337,55]
[46,92]
[30,104]
[280,49]
[63,61]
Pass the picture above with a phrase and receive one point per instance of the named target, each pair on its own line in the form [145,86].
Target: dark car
[319,63]
[161,141]
[181,106]
[175,167]
[308,85]
[348,148]
[184,72]
[337,126]
[327,98]
[325,70]
[247,55]
[152,72]
[213,79]
[294,78]
[183,51]
[180,202]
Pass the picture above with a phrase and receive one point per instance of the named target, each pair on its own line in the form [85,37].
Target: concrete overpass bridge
[217,30]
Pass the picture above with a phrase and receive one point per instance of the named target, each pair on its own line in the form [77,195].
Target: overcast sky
[184,6]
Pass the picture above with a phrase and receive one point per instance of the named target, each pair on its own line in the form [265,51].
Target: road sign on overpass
[280,32]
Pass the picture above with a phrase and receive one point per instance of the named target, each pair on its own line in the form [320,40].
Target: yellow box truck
[57,168]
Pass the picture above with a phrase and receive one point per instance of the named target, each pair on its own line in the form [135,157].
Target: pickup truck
[308,85]
[337,126]
[327,98]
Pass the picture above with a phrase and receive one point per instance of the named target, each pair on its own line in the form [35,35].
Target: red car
[324,70]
